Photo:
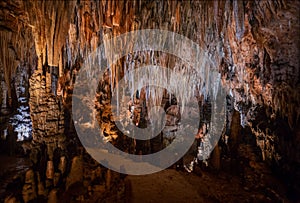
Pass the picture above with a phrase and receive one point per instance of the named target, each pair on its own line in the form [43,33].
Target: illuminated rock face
[254,44]
[46,112]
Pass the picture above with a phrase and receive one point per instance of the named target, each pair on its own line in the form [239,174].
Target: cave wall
[253,43]
[18,51]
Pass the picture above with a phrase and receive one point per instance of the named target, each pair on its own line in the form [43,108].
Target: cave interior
[149,101]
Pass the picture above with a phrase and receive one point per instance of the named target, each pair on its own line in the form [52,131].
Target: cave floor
[170,185]
[10,168]
[179,186]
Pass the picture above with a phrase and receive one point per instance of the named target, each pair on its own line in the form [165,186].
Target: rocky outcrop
[46,113]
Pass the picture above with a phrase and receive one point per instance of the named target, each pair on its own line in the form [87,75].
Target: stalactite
[248,41]
[238,9]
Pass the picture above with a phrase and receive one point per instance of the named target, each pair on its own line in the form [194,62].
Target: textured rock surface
[17,46]
[46,112]
[254,45]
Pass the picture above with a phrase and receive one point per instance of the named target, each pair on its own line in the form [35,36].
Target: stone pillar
[46,113]
[235,130]
[76,173]
[29,188]
[215,158]
[4,95]
[108,179]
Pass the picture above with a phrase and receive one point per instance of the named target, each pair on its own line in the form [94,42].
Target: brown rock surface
[254,44]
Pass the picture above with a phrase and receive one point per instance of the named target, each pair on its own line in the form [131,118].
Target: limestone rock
[11,199]
[50,170]
[253,44]
[76,173]
[29,189]
[62,164]
[29,177]
[52,198]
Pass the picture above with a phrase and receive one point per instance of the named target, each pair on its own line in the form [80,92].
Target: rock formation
[254,45]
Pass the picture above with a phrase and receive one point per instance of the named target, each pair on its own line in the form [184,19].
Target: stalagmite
[249,48]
